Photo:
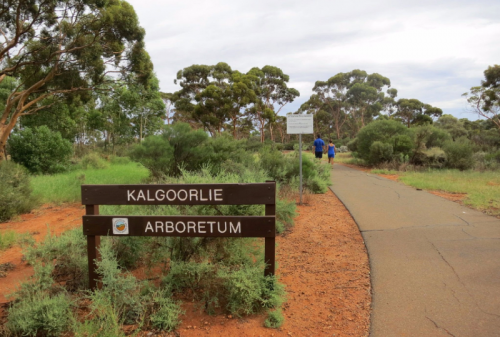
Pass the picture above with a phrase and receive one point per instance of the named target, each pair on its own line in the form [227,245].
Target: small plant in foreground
[7,239]
[15,195]
[274,319]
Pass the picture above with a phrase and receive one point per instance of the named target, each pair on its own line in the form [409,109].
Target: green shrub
[389,132]
[279,146]
[15,195]
[40,314]
[434,157]
[93,160]
[240,289]
[41,307]
[177,147]
[247,291]
[40,150]
[494,156]
[274,319]
[70,252]
[380,152]
[290,145]
[119,160]
[437,137]
[7,239]
[353,145]
[166,312]
[459,154]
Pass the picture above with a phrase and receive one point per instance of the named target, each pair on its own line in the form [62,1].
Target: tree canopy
[62,49]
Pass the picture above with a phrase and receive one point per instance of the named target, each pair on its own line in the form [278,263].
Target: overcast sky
[430,50]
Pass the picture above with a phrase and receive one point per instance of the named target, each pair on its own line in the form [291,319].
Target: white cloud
[431,50]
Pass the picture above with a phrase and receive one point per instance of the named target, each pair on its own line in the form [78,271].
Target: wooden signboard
[95,225]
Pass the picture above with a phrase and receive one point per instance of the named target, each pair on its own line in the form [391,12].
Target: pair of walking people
[319,146]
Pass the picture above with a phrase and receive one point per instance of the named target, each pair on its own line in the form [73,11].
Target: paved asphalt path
[435,265]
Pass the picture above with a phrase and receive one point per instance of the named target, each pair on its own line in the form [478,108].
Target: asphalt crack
[468,224]
[461,282]
[438,327]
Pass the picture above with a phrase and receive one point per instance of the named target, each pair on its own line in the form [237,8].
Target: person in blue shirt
[331,151]
[319,144]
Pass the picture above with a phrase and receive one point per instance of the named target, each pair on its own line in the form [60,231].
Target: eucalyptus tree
[62,47]
[273,94]
[144,107]
[331,97]
[213,96]
[366,95]
[412,111]
[485,99]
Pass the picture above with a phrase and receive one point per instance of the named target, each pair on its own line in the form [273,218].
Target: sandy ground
[322,261]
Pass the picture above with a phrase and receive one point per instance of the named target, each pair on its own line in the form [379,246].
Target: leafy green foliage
[178,146]
[41,307]
[166,312]
[41,314]
[77,45]
[274,319]
[380,152]
[69,250]
[16,196]
[93,160]
[388,132]
[459,154]
[40,150]
[452,125]
[7,239]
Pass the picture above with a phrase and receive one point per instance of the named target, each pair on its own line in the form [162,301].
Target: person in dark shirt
[319,145]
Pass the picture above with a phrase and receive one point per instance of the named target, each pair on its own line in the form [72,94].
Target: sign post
[95,225]
[299,124]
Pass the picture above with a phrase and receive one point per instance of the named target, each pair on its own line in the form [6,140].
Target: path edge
[367,253]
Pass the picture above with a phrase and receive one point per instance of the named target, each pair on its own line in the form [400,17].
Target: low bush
[93,160]
[15,195]
[353,145]
[119,160]
[7,239]
[70,252]
[290,146]
[274,319]
[389,132]
[40,314]
[380,152]
[434,157]
[459,154]
[41,308]
[40,150]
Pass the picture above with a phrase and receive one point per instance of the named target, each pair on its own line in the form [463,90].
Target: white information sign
[299,124]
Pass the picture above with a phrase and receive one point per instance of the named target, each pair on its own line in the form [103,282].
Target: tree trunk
[4,136]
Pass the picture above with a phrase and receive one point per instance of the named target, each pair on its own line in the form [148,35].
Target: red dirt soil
[322,261]
[36,223]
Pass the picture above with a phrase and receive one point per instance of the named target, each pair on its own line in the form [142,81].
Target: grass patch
[7,239]
[65,187]
[482,188]
[347,158]
[383,171]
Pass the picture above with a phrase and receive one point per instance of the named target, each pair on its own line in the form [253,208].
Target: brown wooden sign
[176,194]
[193,226]
[95,225]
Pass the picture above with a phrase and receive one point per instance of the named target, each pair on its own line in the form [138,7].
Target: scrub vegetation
[69,122]
[222,275]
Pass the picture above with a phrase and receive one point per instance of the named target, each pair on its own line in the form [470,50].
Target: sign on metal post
[95,225]
[299,124]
